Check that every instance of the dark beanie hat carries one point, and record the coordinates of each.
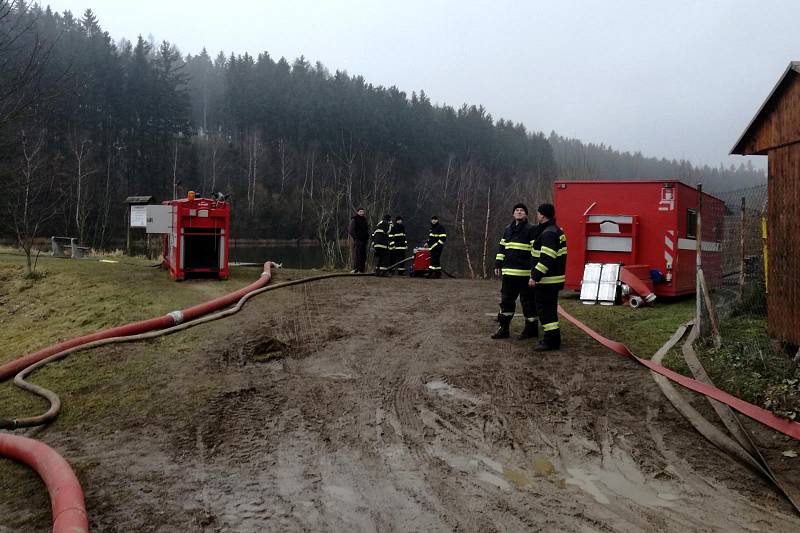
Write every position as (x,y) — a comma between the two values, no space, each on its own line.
(520,206)
(387,217)
(547,210)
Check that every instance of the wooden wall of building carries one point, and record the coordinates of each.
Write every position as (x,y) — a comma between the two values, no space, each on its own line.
(779,122)
(783,238)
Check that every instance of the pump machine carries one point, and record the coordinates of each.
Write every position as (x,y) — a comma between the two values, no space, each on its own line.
(196,242)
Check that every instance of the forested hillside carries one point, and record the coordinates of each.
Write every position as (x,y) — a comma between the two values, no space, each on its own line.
(86,121)
(578,160)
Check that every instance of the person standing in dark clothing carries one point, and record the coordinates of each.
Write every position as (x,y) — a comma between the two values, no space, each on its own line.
(380,243)
(547,275)
(359,232)
(398,245)
(513,262)
(436,239)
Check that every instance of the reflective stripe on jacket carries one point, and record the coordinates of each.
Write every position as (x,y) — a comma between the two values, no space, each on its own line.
(380,237)
(397,237)
(437,236)
(549,255)
(514,251)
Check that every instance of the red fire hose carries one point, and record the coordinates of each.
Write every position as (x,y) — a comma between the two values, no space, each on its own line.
(171,319)
(66,495)
(785,426)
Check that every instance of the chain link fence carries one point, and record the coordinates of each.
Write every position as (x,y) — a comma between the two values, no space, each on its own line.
(738,244)
(736,345)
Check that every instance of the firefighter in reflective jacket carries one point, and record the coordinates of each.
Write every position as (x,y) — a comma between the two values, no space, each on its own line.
(380,243)
(513,262)
(547,275)
(436,240)
(398,245)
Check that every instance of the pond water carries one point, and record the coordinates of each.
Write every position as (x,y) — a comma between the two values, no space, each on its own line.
(292,256)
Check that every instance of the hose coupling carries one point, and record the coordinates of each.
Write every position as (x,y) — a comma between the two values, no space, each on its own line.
(177,317)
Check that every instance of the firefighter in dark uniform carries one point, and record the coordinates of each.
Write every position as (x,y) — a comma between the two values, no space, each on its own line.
(513,262)
(547,275)
(398,244)
(380,243)
(436,239)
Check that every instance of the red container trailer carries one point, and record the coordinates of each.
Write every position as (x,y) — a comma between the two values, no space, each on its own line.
(643,223)
(197,242)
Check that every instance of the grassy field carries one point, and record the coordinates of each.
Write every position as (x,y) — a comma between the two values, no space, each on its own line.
(643,330)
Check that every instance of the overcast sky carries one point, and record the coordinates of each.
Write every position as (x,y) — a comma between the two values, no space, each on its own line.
(677,79)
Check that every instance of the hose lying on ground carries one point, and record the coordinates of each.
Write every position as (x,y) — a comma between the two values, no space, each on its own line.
(68,509)
(175,317)
(748,453)
(55,401)
(66,496)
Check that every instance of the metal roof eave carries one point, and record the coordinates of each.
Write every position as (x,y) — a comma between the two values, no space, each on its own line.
(793,66)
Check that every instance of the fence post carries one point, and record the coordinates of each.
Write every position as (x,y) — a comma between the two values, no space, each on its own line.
(710,326)
(698,242)
(766,257)
(740,295)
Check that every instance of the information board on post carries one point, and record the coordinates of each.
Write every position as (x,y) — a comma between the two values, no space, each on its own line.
(138,216)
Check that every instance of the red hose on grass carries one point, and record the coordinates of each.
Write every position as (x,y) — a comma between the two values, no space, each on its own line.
(175,317)
(788,427)
(66,495)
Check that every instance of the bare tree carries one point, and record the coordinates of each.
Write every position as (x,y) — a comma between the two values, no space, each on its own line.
(81,149)
(106,206)
(283,157)
(175,172)
(309,173)
(486,229)
(30,201)
(253,152)
(327,205)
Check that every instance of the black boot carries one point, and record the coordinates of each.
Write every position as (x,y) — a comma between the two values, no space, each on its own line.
(531,330)
(502,332)
(550,342)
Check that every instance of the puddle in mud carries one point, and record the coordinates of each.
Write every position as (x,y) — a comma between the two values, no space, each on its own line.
(624,482)
(620,478)
(519,479)
(445,389)
(543,466)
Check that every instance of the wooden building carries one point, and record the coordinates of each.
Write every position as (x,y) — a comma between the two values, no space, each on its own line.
(775,132)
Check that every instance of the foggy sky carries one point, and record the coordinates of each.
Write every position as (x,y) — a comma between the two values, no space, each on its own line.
(678,79)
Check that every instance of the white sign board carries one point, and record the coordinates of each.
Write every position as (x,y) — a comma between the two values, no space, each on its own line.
(138,216)
(159,219)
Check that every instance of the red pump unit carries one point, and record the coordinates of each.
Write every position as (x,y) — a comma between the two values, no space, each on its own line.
(650,224)
(197,242)
(422,262)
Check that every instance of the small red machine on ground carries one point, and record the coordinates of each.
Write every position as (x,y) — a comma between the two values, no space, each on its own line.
(422,261)
(648,227)
(197,242)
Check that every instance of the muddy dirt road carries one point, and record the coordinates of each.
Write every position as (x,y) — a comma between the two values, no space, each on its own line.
(394,411)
